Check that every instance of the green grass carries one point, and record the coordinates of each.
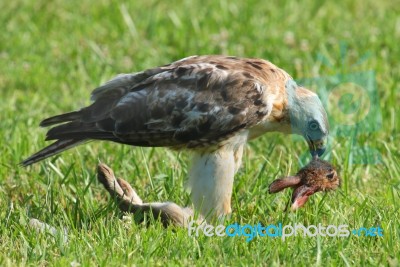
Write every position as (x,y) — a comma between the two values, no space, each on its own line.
(53,53)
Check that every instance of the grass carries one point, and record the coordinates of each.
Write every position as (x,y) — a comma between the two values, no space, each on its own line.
(53,53)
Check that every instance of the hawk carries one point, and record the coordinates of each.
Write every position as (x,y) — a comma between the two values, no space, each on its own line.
(211,105)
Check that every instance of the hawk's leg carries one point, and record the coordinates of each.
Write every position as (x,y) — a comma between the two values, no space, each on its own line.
(129,201)
(211,180)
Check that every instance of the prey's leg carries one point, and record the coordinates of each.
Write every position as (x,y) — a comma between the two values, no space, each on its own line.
(129,201)
(118,188)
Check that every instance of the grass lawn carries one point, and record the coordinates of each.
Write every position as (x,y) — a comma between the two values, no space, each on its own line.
(53,53)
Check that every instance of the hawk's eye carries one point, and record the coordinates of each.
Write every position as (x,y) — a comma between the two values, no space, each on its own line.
(313,126)
(330,175)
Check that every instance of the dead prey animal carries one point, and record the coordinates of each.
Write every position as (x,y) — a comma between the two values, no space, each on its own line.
(318,175)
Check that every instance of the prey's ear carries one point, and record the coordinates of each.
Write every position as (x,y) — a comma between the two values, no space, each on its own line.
(282,183)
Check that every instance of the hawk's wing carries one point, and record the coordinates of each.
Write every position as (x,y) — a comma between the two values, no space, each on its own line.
(198,101)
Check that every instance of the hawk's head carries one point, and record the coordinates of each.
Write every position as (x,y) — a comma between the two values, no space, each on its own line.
(308,117)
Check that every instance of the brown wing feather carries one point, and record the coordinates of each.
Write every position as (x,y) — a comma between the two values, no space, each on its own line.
(193,102)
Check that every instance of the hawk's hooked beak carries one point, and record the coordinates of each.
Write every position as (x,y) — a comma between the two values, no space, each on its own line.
(317,147)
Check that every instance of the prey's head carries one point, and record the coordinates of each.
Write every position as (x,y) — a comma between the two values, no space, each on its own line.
(308,117)
(318,175)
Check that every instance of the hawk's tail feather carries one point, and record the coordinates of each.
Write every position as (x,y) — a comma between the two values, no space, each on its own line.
(78,131)
(70,116)
(71,130)
(51,150)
